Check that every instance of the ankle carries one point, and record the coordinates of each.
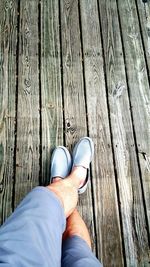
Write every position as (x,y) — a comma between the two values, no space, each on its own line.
(56,179)
(78,175)
(66,193)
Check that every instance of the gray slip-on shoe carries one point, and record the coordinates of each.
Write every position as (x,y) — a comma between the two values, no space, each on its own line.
(61,163)
(82,156)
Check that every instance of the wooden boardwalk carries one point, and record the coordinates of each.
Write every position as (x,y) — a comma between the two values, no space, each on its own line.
(68,69)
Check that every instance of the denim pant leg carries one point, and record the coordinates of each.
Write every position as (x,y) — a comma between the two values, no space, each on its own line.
(32,235)
(76,253)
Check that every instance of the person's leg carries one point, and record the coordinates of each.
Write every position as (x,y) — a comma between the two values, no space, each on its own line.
(77,246)
(76,249)
(76,226)
(67,189)
(32,235)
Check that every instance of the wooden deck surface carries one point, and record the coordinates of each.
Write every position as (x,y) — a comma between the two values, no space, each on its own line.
(69,69)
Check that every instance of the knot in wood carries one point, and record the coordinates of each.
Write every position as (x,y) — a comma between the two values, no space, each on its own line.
(8,5)
(70,126)
(68,61)
(27,32)
(118,90)
(27,83)
(148,31)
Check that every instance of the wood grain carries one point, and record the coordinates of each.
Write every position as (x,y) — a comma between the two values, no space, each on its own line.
(139,90)
(130,192)
(105,196)
(8,43)
(144,19)
(27,154)
(74,98)
(83,69)
(51,110)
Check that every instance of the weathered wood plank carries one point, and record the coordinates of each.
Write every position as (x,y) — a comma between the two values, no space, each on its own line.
(52,113)
(74,101)
(28,141)
(8,43)
(138,90)
(144,15)
(105,196)
(130,192)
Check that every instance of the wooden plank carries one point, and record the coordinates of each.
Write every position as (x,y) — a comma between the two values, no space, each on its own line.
(144,16)
(52,113)
(130,192)
(105,196)
(138,90)
(8,43)
(74,100)
(28,141)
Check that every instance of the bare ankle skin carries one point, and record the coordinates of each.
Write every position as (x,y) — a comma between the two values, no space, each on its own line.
(67,193)
(67,189)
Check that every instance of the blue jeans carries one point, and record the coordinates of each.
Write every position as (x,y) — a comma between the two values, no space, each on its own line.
(32,236)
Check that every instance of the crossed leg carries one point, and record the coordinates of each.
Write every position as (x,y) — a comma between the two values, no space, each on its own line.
(32,235)
(67,191)
(76,247)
